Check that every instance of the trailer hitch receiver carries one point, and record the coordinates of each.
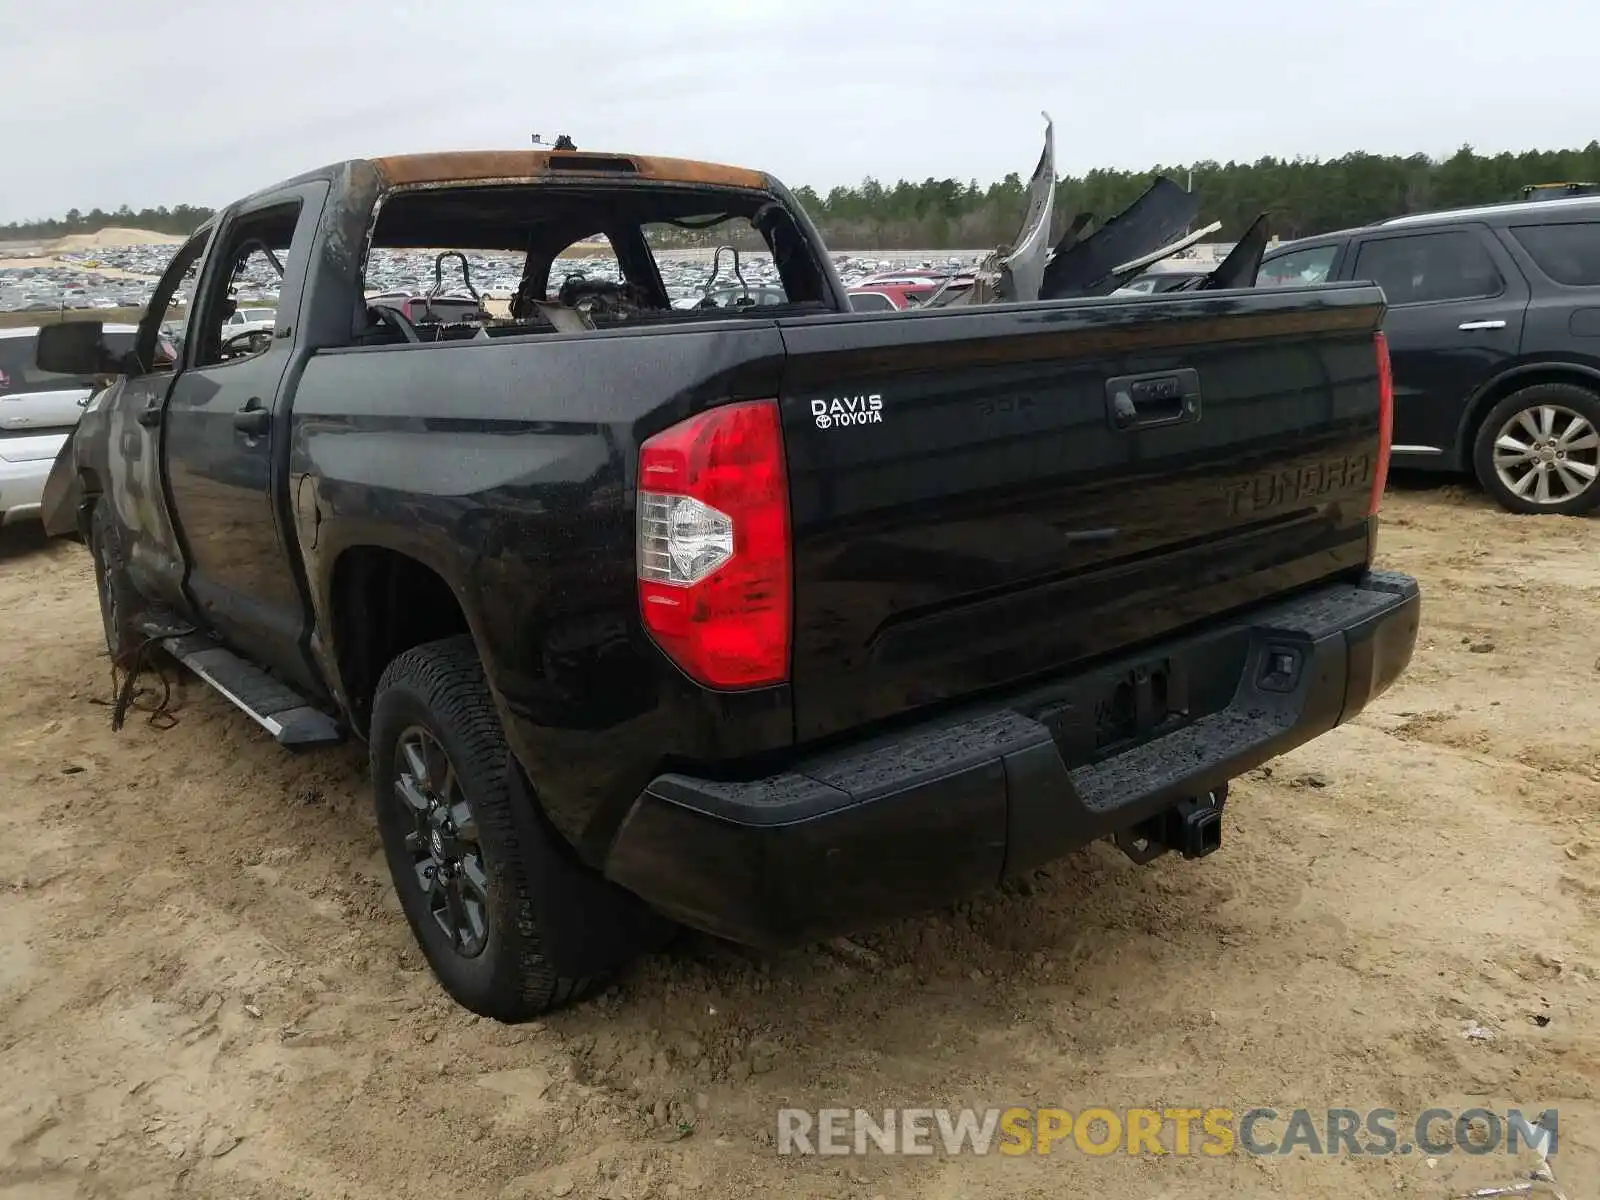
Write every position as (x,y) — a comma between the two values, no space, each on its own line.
(1192,827)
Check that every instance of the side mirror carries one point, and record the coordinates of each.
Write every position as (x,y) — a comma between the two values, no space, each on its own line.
(76,348)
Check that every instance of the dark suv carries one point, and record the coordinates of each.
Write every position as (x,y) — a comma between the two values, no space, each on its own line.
(1494,333)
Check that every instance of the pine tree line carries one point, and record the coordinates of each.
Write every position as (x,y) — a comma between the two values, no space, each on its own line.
(183,219)
(1304,196)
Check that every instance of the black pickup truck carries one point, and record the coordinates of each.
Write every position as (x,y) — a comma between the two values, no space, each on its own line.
(768,620)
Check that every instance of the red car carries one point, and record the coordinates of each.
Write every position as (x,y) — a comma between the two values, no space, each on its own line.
(900,292)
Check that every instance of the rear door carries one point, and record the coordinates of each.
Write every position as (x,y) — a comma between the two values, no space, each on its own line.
(1563,318)
(1456,307)
(968,512)
(225,449)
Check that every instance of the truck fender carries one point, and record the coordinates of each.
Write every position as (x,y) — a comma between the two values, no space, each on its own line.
(587,924)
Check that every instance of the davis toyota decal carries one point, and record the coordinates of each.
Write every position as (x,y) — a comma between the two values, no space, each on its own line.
(848,410)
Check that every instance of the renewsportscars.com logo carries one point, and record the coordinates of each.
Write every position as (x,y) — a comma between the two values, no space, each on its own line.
(1210,1132)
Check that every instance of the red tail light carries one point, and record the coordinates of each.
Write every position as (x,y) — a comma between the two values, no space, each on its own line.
(1380,474)
(714,551)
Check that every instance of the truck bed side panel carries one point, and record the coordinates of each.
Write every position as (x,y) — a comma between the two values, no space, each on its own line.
(507,467)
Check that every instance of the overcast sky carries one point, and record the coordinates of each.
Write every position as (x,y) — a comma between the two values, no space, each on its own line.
(173,101)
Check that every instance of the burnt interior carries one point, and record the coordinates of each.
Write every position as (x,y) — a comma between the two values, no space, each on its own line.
(540,221)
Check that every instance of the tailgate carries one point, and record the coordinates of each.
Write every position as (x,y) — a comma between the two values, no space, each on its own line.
(974,503)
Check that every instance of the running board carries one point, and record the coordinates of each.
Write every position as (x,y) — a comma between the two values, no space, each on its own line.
(272,704)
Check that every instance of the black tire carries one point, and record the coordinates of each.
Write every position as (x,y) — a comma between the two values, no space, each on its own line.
(119,601)
(1567,400)
(439,688)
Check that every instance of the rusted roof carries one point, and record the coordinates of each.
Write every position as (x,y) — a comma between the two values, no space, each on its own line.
(472,166)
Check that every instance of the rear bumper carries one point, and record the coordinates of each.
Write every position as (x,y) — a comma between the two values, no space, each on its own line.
(910,820)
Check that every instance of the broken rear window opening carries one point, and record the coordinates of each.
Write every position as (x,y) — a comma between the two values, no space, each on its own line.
(532,259)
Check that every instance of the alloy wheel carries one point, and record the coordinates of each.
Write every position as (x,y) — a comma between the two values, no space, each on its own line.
(1547,454)
(442,840)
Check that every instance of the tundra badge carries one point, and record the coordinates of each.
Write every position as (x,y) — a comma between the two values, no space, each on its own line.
(848,410)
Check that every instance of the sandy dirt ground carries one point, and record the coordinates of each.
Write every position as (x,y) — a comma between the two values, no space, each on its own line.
(206,988)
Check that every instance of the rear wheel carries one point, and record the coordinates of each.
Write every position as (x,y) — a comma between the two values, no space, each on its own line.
(118,599)
(1538,450)
(440,777)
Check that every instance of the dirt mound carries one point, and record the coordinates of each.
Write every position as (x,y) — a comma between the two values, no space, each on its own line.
(112,236)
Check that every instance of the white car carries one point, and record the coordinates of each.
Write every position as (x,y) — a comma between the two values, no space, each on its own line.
(38,410)
(245,320)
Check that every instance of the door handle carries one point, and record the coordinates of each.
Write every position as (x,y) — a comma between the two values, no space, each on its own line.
(252,420)
(1165,398)
(1471,325)
(149,416)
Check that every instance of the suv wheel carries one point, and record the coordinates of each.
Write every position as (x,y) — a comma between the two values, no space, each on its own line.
(118,599)
(455,848)
(1538,450)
